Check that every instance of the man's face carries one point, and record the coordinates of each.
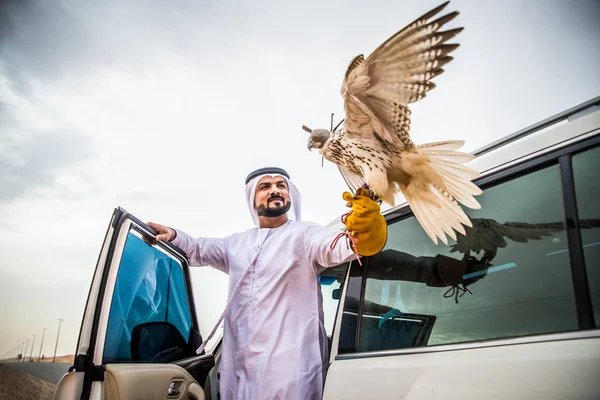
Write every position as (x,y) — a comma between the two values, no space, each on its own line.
(272,198)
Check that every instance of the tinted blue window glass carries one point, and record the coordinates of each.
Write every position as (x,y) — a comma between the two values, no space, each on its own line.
(150,288)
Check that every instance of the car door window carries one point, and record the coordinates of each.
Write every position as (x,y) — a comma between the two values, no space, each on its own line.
(150,316)
(586,166)
(509,276)
(331,281)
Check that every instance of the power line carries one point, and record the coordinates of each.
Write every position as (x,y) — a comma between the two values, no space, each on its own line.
(9,354)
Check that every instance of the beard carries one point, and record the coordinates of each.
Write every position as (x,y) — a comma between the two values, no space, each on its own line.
(273,211)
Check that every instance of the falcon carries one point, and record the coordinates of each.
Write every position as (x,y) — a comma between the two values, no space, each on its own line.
(374,145)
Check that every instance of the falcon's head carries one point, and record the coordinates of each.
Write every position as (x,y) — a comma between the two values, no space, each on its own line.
(317,138)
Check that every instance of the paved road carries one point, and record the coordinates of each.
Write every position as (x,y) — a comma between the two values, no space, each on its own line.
(47,371)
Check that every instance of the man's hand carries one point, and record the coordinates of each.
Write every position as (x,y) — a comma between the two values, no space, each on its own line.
(365,223)
(165,233)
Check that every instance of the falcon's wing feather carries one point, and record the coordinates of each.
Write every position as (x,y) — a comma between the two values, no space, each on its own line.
(378,89)
(353,180)
(356,61)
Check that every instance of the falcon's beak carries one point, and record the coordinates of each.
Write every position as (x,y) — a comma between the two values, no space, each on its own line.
(310,144)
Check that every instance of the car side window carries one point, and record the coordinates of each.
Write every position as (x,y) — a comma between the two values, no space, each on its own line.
(508,276)
(331,281)
(586,166)
(150,317)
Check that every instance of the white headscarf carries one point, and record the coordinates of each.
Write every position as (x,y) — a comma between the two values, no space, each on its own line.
(295,210)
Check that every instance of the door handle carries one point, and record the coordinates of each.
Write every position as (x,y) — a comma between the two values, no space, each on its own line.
(174,391)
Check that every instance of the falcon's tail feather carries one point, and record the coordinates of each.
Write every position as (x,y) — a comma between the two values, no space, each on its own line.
(438,182)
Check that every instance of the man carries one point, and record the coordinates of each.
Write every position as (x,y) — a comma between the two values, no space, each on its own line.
(274,341)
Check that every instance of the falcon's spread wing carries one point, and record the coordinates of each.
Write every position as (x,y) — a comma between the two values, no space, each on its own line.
(378,89)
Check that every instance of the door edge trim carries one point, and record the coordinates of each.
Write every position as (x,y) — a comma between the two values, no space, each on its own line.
(544,338)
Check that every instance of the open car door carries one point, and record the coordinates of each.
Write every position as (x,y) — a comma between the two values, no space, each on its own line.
(139,333)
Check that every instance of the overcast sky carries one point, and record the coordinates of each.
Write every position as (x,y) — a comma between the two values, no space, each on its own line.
(163,108)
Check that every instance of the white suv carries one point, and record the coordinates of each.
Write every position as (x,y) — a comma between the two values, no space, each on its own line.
(511,310)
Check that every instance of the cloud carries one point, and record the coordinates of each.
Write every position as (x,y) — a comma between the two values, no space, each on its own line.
(41,41)
(32,159)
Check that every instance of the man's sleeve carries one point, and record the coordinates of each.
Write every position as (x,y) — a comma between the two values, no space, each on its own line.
(203,251)
(318,242)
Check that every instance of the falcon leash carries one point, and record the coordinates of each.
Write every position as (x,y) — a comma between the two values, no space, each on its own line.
(350,239)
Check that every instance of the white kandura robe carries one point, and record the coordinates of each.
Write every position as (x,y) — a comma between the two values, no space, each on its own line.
(274,340)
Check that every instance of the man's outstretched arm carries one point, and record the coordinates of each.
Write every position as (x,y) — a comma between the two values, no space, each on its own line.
(199,251)
(324,249)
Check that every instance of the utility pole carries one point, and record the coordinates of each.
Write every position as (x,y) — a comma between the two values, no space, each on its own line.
(42,344)
(57,335)
(18,350)
(22,347)
(25,352)
(32,344)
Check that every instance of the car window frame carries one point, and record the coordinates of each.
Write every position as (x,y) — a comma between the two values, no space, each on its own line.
(590,282)
(583,303)
(176,256)
(88,360)
(118,221)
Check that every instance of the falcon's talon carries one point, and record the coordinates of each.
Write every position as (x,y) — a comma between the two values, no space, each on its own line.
(372,195)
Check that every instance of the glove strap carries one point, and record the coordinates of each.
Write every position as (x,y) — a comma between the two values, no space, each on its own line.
(348,235)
